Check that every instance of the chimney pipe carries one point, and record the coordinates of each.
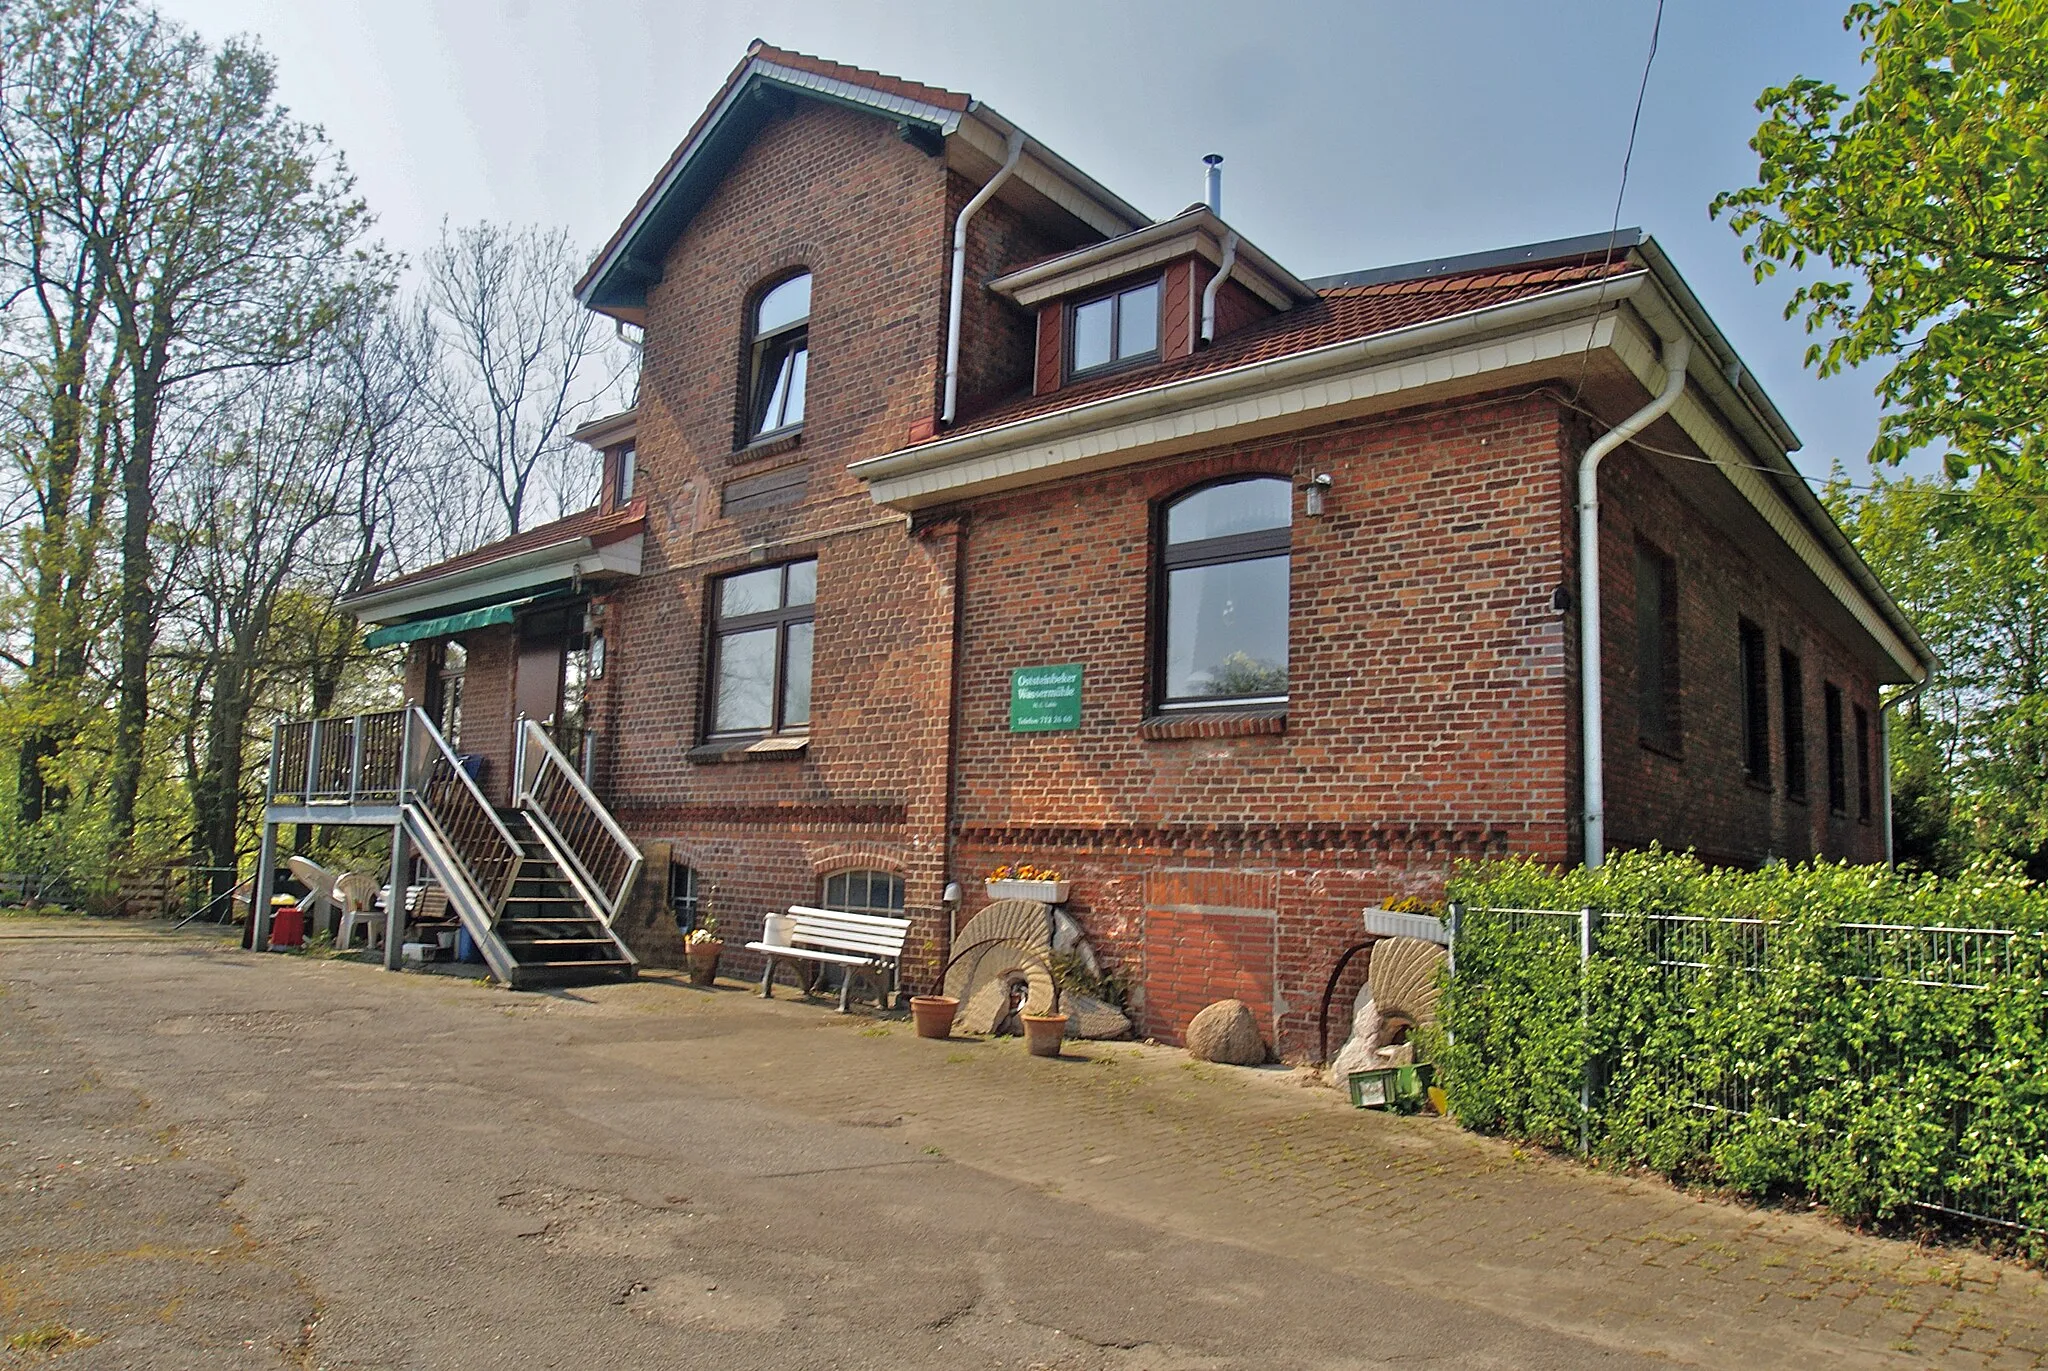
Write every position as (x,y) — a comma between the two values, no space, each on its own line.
(1212,187)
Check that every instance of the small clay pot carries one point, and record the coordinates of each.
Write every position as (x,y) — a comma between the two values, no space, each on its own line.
(704,962)
(1043,1033)
(933,1015)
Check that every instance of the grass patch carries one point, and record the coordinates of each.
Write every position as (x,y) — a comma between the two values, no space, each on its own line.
(44,1339)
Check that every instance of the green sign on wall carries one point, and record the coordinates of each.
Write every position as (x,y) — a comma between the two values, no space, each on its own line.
(1045,699)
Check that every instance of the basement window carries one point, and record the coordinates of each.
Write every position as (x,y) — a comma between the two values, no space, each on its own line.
(1113,330)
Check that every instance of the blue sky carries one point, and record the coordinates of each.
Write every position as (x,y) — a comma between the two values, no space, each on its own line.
(1356,134)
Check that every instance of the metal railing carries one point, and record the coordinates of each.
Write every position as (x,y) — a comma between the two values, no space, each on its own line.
(1749,955)
(447,797)
(348,759)
(560,803)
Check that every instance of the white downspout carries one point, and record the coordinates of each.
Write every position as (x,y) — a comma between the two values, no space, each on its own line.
(1677,352)
(1884,753)
(1216,284)
(960,271)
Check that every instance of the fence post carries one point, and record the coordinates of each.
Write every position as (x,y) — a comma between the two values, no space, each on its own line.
(312,762)
(1587,918)
(355,758)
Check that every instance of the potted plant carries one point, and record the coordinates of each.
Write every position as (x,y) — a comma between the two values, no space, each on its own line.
(1043,1033)
(703,947)
(933,1015)
(1023,881)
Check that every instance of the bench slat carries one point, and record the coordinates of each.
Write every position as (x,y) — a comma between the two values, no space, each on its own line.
(879,921)
(810,954)
(887,947)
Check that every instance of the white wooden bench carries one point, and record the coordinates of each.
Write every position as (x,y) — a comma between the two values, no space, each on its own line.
(870,944)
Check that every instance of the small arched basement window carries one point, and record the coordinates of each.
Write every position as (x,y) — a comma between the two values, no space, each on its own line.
(778,357)
(865,892)
(1223,584)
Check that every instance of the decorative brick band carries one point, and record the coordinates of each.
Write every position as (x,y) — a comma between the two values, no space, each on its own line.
(882,814)
(1462,841)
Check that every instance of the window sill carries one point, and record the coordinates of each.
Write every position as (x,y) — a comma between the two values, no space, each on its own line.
(1661,749)
(1760,787)
(1217,723)
(786,748)
(773,445)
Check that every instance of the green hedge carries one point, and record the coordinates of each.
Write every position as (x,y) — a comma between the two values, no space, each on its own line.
(1838,1075)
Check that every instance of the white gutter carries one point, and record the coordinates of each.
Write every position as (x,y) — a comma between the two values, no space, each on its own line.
(1037,430)
(981,197)
(1216,284)
(1677,352)
(1884,753)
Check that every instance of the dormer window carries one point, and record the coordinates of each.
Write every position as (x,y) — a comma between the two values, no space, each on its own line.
(779,357)
(1114,330)
(627,471)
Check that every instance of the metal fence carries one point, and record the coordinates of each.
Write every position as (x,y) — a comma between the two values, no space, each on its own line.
(1753,956)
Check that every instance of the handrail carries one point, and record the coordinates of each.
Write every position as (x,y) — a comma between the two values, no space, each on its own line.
(558,800)
(448,797)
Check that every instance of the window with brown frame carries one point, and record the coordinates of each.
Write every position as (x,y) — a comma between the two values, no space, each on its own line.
(761,651)
(1838,748)
(1223,587)
(1657,692)
(1862,764)
(778,358)
(1756,703)
(1112,330)
(1792,689)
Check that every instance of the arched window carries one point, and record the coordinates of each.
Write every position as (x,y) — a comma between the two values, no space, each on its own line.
(778,357)
(865,892)
(1223,554)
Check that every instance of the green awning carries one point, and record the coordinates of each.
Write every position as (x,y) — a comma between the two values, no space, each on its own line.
(442,627)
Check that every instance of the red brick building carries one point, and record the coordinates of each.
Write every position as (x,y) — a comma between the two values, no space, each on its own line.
(1313,546)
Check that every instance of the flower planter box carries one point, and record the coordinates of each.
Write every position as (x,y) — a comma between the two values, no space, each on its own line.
(1047,892)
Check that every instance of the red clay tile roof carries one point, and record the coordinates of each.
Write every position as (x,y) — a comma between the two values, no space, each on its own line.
(600,526)
(1343,314)
(861,76)
(816,66)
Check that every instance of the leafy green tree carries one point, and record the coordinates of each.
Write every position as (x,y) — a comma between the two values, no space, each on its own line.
(1971,754)
(1918,212)
(223,233)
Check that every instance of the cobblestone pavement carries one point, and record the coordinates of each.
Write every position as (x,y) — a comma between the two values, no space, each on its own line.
(217,1159)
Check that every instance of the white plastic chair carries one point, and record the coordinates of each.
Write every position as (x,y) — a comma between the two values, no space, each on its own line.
(319,882)
(357,892)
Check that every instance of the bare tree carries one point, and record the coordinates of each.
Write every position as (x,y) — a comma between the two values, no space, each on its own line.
(523,364)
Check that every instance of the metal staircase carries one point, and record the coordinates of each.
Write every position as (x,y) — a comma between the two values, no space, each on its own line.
(536,886)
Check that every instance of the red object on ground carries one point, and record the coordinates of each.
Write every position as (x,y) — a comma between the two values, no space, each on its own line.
(287,926)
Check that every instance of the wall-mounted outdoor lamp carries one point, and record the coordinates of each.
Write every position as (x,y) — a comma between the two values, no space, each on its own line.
(1312,495)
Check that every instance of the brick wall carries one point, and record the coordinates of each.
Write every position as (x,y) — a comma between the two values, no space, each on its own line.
(839,193)
(1700,794)
(487,705)
(1428,719)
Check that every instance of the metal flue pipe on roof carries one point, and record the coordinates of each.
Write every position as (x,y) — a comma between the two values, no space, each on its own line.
(1212,183)
(1677,352)
(981,197)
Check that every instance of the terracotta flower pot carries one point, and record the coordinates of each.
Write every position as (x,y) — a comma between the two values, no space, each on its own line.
(1043,1033)
(933,1015)
(704,962)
